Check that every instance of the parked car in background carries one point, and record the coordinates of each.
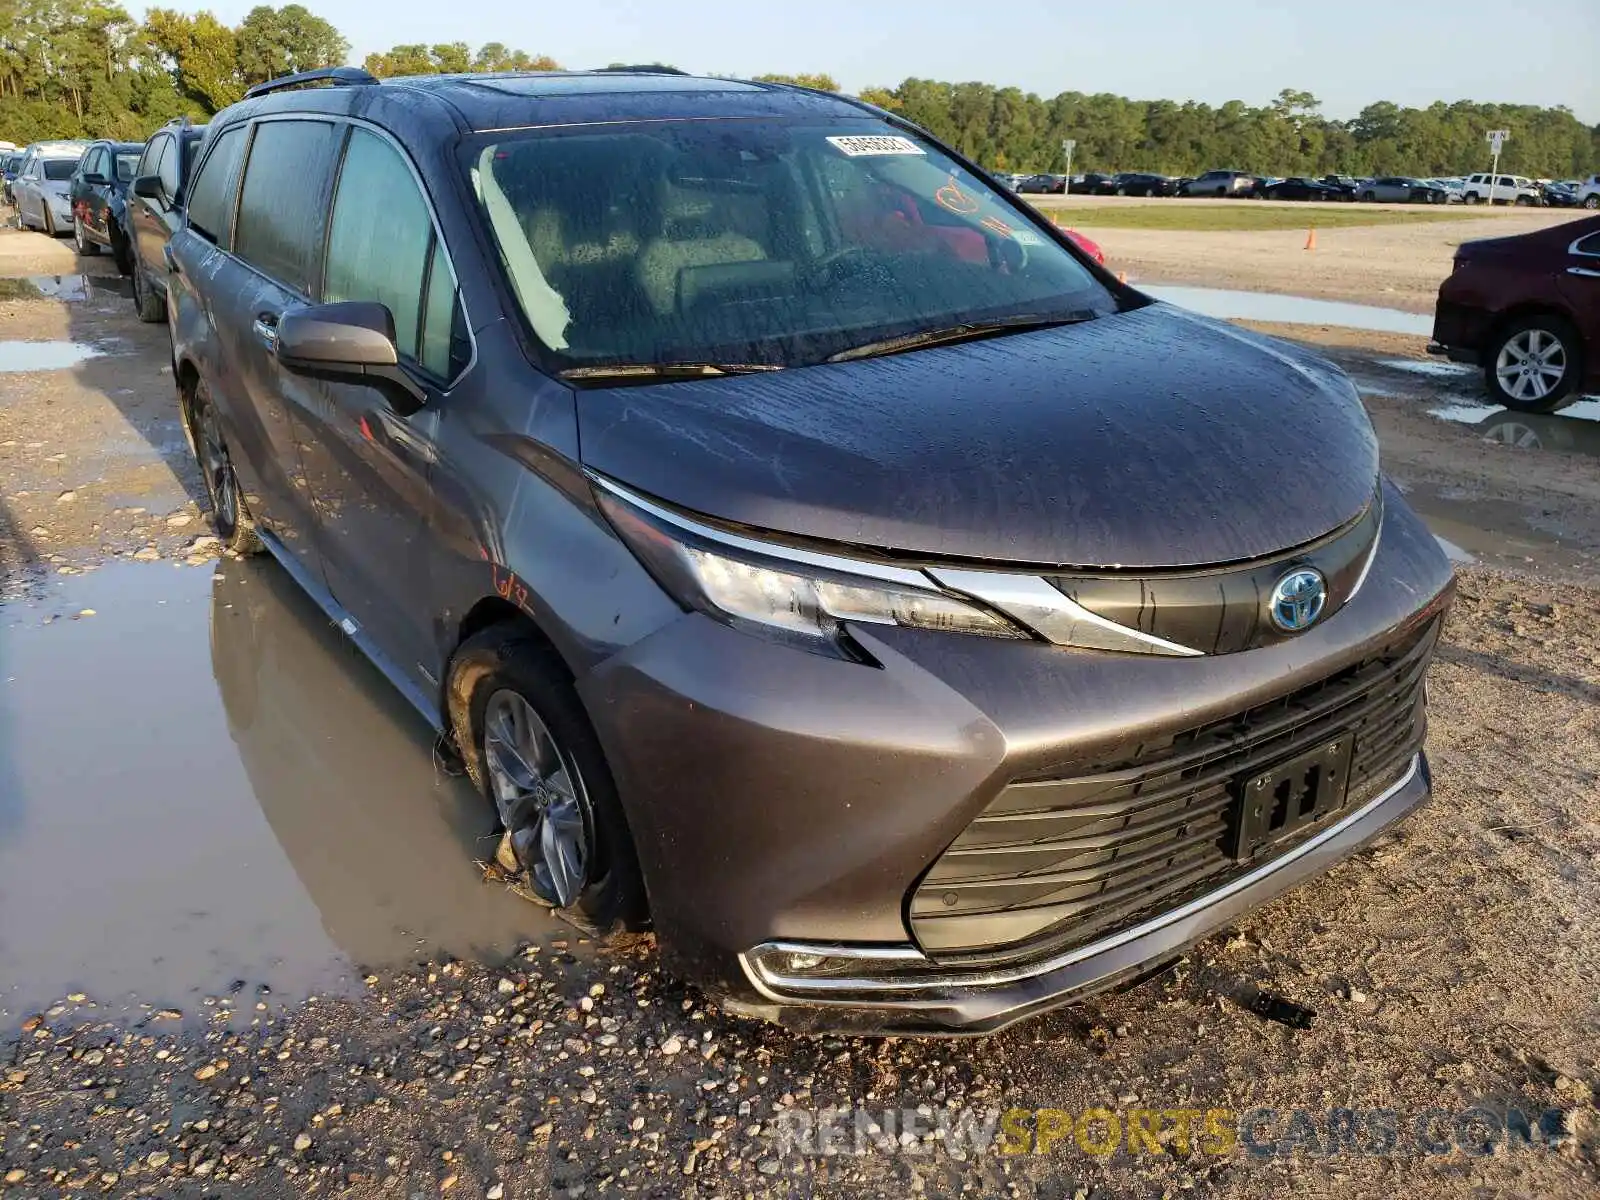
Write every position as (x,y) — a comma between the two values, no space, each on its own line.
(1043,184)
(1142,183)
(99,199)
(42,189)
(1560,193)
(1589,193)
(155,210)
(1087,244)
(1341,181)
(1452,189)
(1527,310)
(1300,188)
(1486,188)
(1220,184)
(813,709)
(10,164)
(1093,183)
(1401,189)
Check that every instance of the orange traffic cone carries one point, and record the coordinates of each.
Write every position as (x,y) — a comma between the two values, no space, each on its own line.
(1122,277)
(1311,239)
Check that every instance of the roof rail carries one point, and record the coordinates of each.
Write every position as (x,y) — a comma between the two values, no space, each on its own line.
(638,69)
(337,76)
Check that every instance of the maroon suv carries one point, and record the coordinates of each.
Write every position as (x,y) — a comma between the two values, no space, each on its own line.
(1527,309)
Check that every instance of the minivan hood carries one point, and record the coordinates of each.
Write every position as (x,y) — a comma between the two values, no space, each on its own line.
(1153,438)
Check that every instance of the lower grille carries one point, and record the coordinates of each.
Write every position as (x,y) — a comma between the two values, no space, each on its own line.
(1053,863)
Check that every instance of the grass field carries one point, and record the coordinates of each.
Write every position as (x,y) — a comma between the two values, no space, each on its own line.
(1179,214)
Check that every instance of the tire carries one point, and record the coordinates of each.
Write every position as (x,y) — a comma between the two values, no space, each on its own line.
(230,515)
(49,222)
(1558,349)
(121,252)
(1122,191)
(494,672)
(145,302)
(1369,197)
(1470,198)
(83,245)
(1592,202)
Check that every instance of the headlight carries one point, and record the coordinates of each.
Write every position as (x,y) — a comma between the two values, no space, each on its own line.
(796,595)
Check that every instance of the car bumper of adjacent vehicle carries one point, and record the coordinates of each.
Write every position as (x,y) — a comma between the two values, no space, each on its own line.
(790,809)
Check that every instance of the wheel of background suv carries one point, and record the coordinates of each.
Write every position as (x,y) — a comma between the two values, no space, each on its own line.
(80,243)
(1470,198)
(1369,197)
(230,515)
(1534,364)
(528,746)
(1592,202)
(1122,191)
(148,305)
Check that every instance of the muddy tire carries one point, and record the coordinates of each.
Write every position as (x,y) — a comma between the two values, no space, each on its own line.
(528,747)
(1592,202)
(230,514)
(121,252)
(82,244)
(1533,364)
(146,303)
(49,221)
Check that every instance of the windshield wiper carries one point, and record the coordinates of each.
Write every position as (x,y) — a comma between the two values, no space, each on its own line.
(965,332)
(622,372)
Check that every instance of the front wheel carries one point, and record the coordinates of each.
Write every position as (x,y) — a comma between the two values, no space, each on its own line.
(1534,364)
(1470,198)
(49,222)
(1369,197)
(230,515)
(530,749)
(80,242)
(1592,202)
(146,303)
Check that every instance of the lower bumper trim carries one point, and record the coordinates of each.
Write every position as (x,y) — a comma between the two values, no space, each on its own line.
(895,988)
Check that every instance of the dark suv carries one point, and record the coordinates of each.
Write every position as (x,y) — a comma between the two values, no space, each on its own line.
(99,196)
(805,547)
(155,210)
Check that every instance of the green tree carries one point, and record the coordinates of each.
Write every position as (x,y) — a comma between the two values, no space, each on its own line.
(454,58)
(822,83)
(281,41)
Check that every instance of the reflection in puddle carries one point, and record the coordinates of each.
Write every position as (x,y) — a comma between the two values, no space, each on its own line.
(1427,366)
(63,287)
(204,786)
(45,356)
(1575,429)
(1293,310)
(1454,552)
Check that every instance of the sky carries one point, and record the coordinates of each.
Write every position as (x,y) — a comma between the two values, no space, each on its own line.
(1347,54)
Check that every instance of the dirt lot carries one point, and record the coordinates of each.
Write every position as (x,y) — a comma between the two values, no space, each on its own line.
(223,977)
(1398,266)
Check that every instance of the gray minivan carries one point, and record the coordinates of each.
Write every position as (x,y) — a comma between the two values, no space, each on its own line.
(806,549)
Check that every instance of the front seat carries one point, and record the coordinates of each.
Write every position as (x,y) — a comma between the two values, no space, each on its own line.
(691,236)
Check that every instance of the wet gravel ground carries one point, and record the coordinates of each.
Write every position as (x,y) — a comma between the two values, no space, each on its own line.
(1453,966)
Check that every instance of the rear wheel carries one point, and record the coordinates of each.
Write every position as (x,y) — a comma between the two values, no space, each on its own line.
(149,306)
(49,221)
(1592,202)
(1369,197)
(1534,364)
(1470,198)
(120,251)
(528,746)
(230,515)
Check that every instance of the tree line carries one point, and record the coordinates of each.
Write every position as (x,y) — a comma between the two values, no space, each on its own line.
(85,68)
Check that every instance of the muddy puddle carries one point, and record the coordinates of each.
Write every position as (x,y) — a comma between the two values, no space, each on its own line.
(45,356)
(1575,429)
(204,790)
(1228,305)
(64,287)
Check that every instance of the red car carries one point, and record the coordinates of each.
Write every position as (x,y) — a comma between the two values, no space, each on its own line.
(1088,245)
(1527,310)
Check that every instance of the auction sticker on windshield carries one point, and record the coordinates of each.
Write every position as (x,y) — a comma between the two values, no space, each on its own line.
(868,145)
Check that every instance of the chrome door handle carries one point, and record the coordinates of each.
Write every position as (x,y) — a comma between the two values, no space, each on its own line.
(1583,271)
(266,329)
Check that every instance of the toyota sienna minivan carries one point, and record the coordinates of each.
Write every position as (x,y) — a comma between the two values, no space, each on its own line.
(809,552)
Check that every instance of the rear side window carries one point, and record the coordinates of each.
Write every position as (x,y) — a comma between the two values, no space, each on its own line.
(59,168)
(211,196)
(150,164)
(390,255)
(283,201)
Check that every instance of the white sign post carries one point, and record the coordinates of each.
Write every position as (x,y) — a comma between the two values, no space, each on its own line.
(1496,139)
(1068,145)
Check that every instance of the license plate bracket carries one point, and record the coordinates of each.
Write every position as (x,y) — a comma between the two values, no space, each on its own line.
(1276,802)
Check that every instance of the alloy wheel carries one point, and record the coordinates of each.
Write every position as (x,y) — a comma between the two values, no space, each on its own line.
(221,483)
(1531,364)
(540,797)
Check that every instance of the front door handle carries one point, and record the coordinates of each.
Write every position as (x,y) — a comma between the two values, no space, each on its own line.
(1583,271)
(266,330)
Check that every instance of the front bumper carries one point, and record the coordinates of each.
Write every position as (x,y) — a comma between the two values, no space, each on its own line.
(896,989)
(785,802)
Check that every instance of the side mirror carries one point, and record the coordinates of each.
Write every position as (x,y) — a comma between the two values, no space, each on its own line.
(96,180)
(150,187)
(349,341)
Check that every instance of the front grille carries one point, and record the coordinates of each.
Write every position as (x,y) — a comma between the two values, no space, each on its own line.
(1052,863)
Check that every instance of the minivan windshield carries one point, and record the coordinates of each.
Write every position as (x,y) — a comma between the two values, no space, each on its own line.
(760,244)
